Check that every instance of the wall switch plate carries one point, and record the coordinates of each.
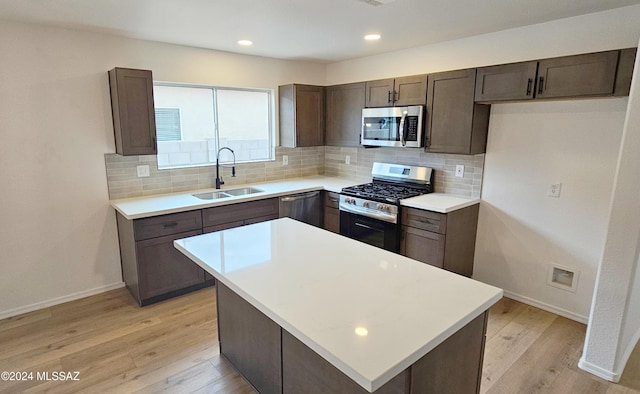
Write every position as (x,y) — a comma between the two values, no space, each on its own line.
(459,170)
(142,171)
(347,159)
(554,190)
(285,160)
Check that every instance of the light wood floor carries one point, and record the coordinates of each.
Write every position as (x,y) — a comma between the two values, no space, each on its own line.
(172,346)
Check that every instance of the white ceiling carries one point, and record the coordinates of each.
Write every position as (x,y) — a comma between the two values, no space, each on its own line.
(316,30)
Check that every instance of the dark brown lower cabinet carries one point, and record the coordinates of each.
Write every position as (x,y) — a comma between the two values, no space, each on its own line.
(152,269)
(162,268)
(274,361)
(444,240)
(332,212)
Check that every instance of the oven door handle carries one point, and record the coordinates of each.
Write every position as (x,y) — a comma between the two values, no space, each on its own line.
(369,214)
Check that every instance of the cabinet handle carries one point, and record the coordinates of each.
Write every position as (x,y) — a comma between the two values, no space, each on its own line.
(395,96)
(529,83)
(540,84)
(169,225)
(388,96)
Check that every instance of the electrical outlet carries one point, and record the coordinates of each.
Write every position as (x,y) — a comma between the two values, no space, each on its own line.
(142,171)
(347,159)
(459,170)
(285,160)
(554,190)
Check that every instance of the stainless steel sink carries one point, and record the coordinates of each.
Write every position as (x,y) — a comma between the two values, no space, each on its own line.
(243,191)
(211,195)
(227,193)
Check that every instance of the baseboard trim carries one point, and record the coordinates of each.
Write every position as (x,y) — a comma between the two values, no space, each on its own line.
(547,307)
(598,371)
(59,300)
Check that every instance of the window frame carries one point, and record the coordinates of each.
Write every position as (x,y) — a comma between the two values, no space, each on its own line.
(270,111)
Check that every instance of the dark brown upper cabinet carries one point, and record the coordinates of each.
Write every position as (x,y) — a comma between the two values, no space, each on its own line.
(455,123)
(625,71)
(396,92)
(134,119)
(506,82)
(301,115)
(344,114)
(593,74)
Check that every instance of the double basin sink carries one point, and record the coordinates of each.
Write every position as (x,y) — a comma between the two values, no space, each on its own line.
(227,193)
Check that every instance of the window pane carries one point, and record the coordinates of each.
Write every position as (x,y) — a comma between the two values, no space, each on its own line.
(168,124)
(197,143)
(244,124)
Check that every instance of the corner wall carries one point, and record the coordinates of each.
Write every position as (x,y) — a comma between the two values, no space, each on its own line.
(614,323)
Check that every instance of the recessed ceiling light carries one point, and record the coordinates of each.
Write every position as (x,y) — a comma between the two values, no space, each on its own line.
(245,43)
(372,37)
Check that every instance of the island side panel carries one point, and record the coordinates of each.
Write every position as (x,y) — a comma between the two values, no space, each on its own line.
(305,371)
(250,341)
(454,366)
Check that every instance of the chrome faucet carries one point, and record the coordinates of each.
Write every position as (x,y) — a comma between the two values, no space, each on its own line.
(219,181)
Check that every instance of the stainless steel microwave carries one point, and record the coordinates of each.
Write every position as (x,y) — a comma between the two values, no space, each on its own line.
(393,126)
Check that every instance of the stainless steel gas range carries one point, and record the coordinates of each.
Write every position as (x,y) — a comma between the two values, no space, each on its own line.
(371,212)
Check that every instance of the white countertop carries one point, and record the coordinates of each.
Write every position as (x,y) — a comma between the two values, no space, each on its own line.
(321,286)
(147,206)
(439,202)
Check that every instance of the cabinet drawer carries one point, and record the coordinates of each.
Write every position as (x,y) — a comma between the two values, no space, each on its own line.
(424,220)
(331,200)
(174,223)
(238,212)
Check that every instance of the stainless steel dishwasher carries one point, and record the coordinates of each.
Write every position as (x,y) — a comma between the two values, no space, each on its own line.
(305,207)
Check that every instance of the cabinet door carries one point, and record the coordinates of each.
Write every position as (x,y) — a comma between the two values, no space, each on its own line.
(301,115)
(134,119)
(592,74)
(455,123)
(309,115)
(410,90)
(625,71)
(162,268)
(344,114)
(507,82)
(332,219)
(423,246)
(379,93)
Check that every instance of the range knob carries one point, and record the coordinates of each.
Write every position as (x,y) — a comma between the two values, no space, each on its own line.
(365,204)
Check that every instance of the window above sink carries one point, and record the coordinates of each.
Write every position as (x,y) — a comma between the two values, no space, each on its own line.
(194,121)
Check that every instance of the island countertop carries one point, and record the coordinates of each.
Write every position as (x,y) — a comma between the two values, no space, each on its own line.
(369,312)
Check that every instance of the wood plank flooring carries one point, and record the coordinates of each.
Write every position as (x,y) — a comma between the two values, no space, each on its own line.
(117,347)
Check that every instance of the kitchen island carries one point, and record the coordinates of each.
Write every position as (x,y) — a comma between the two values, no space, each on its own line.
(300,308)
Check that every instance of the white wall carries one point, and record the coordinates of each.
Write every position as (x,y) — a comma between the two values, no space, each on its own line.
(58,238)
(614,322)
(521,231)
(556,141)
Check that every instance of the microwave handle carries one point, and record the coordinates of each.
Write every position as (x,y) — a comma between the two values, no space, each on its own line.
(403,129)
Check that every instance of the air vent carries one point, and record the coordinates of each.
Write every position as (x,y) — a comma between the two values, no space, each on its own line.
(377,2)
